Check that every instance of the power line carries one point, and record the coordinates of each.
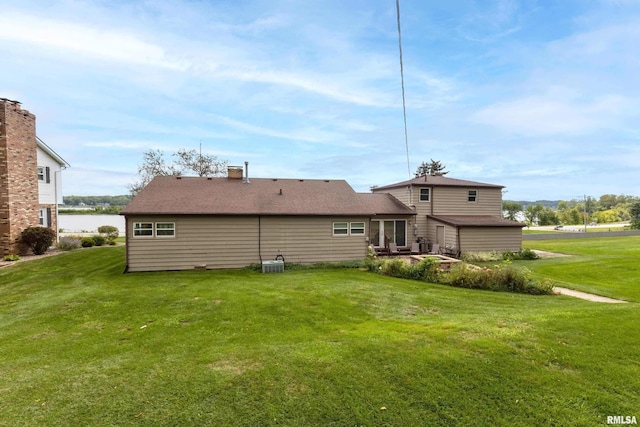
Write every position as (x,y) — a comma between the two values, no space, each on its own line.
(404,104)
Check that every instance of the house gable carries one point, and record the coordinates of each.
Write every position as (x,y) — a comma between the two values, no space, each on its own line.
(446,205)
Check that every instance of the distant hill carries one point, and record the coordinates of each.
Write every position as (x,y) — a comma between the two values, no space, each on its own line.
(553,204)
(96,200)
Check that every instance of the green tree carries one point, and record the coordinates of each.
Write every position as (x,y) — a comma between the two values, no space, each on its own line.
(608,201)
(531,214)
(433,168)
(547,216)
(634,211)
(510,209)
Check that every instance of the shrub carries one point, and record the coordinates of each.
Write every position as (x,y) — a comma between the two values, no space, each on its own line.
(522,254)
(110,233)
(428,270)
(503,277)
(68,243)
(38,239)
(99,240)
(11,257)
(394,267)
(499,278)
(492,256)
(87,242)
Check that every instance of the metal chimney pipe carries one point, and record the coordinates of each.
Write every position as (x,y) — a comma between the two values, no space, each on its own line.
(246,173)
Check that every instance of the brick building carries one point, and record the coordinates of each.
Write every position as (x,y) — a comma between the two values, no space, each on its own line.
(29,176)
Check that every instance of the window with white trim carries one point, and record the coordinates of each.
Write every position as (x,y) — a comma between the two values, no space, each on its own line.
(356,228)
(40,173)
(165,229)
(425,194)
(143,229)
(473,196)
(340,228)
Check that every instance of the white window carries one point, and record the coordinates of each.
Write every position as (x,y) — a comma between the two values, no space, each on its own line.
(142,229)
(473,196)
(425,193)
(44,216)
(165,229)
(356,228)
(44,174)
(340,228)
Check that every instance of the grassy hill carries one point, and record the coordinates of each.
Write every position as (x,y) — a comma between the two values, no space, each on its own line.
(84,344)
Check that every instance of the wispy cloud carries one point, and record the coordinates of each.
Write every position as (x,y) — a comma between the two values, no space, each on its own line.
(107,44)
(554,113)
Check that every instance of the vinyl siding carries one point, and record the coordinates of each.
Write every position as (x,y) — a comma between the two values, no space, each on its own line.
(450,235)
(311,239)
(217,242)
(448,201)
(49,193)
(453,201)
(233,242)
(478,239)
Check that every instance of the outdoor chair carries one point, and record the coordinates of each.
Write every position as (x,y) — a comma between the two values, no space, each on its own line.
(393,249)
(415,248)
(380,250)
(435,249)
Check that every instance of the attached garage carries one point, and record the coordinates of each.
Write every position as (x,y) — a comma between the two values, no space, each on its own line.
(475,233)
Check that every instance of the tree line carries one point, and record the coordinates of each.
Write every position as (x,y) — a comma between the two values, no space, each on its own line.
(609,208)
(96,200)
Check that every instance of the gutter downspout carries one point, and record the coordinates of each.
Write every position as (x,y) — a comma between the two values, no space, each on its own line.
(126,240)
(260,238)
(56,180)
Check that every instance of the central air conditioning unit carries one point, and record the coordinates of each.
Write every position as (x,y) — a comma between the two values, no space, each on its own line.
(276,266)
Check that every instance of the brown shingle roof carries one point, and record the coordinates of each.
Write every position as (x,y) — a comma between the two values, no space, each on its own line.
(476,221)
(262,196)
(438,181)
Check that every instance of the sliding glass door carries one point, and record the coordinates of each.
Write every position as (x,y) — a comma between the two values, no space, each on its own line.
(389,230)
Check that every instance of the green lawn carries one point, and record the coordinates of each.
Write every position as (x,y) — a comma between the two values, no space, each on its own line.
(84,344)
(608,266)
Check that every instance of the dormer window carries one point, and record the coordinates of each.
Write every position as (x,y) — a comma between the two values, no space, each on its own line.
(473,196)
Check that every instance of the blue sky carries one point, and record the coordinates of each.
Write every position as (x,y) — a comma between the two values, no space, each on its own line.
(542,97)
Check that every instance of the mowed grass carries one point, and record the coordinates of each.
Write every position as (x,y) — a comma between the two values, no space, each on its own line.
(608,266)
(83,344)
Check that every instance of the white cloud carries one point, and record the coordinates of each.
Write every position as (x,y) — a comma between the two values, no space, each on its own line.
(107,44)
(556,112)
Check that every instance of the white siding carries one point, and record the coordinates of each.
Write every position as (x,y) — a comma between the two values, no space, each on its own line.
(49,193)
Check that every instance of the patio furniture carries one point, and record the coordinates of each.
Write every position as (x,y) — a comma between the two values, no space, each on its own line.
(393,249)
(415,248)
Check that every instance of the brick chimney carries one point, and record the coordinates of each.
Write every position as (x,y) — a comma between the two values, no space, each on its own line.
(18,174)
(234,172)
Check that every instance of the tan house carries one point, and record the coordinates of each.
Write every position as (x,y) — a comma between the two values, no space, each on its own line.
(457,216)
(30,177)
(179,223)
